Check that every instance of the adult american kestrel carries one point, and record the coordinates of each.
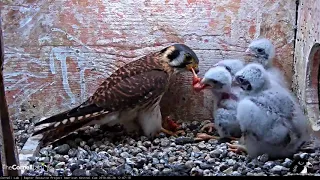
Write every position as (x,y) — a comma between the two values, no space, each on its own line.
(130,96)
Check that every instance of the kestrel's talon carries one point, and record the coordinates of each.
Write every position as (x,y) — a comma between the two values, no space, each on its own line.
(237,148)
(204,137)
(170,124)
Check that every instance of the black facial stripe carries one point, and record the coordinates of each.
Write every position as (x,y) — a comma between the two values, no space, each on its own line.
(174,54)
(164,50)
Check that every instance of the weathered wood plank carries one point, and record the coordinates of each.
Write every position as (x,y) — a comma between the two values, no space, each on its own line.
(8,149)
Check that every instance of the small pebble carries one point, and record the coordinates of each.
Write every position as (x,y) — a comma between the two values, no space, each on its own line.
(184,140)
(79,172)
(287,163)
(165,142)
(228,171)
(196,172)
(216,153)
(201,145)
(206,172)
(304,156)
(63,149)
(279,170)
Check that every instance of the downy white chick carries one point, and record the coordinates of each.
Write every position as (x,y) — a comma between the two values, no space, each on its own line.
(270,118)
(262,51)
(219,80)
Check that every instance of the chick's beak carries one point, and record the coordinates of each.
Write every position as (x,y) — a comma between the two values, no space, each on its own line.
(235,82)
(200,85)
(249,52)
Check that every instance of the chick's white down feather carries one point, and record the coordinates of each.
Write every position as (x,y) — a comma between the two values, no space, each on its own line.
(224,112)
(263,52)
(270,118)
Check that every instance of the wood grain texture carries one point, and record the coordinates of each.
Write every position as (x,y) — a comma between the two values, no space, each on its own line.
(58,52)
(9,154)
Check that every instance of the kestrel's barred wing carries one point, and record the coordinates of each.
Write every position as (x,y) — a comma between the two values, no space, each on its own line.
(104,97)
(133,84)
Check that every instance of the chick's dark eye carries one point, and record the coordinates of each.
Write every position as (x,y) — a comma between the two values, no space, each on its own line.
(214,81)
(249,87)
(228,68)
(240,79)
(260,50)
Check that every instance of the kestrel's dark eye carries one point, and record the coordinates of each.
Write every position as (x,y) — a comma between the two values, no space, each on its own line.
(260,50)
(188,58)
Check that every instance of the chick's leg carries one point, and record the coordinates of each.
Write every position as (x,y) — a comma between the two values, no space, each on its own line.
(204,137)
(208,126)
(237,148)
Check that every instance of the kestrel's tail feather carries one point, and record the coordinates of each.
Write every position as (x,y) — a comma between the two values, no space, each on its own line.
(75,112)
(64,127)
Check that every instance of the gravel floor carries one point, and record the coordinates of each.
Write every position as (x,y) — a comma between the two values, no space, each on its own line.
(110,152)
(22,131)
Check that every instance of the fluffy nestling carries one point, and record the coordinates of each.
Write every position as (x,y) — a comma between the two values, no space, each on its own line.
(130,96)
(270,118)
(219,80)
(262,51)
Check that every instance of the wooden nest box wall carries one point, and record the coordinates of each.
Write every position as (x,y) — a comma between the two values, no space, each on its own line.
(57,55)
(307,61)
